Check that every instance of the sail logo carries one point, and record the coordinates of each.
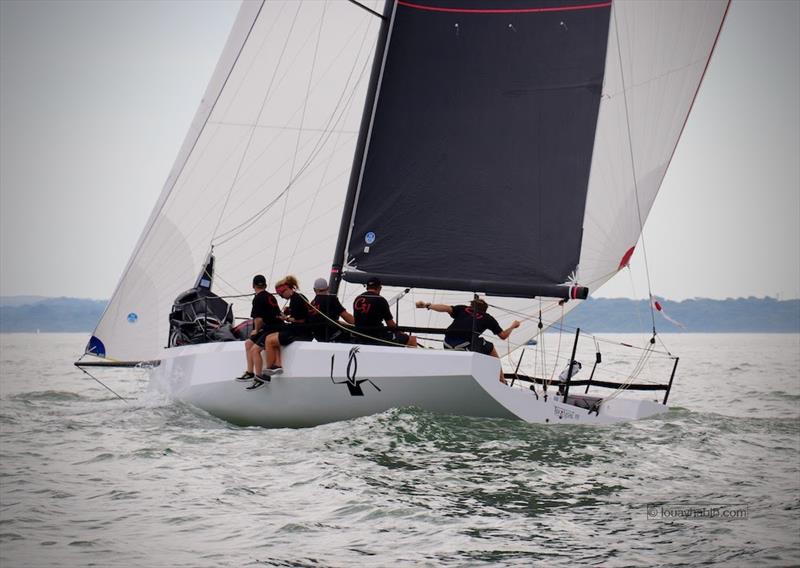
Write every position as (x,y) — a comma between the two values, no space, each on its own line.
(353,384)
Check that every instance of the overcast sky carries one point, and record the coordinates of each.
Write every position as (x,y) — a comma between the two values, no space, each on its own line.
(96,98)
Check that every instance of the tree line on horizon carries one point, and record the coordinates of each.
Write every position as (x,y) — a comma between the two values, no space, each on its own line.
(608,315)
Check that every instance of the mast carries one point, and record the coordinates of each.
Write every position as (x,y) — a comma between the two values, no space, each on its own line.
(361,147)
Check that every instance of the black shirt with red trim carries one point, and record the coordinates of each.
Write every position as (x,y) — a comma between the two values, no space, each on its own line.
(298,307)
(461,328)
(329,306)
(265,306)
(370,310)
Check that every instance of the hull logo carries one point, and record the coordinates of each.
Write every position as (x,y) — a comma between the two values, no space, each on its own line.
(353,384)
(561,412)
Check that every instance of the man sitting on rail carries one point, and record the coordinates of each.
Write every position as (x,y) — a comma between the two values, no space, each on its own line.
(370,310)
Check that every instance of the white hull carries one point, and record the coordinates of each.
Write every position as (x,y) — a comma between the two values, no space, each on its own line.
(315,389)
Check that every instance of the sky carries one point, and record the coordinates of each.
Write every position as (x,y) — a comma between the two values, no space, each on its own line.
(96,98)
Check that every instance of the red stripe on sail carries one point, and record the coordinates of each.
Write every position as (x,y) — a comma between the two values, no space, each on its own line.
(503,10)
(626,258)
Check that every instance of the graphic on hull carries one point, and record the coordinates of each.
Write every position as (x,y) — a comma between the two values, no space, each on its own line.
(353,384)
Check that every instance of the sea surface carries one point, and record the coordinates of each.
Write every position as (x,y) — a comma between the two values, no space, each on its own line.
(87,479)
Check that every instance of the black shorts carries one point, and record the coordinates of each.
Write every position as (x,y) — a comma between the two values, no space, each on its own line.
(289,335)
(332,335)
(399,338)
(381,338)
(480,345)
(262,334)
(258,338)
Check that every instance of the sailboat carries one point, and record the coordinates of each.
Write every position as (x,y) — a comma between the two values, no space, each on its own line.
(509,148)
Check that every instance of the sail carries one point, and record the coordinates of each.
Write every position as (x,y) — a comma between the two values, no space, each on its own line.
(483,134)
(262,173)
(499,158)
(514,146)
(655,60)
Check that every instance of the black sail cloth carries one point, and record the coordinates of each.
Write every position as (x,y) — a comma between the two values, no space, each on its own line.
(478,160)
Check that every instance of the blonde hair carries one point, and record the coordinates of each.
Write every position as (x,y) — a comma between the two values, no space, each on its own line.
(289,281)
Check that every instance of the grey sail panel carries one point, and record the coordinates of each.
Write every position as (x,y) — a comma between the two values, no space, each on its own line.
(478,161)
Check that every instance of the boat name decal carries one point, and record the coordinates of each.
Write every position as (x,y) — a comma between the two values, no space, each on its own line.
(353,384)
(561,412)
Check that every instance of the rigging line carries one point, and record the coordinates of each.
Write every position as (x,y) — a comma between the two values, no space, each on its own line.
(635,373)
(162,200)
(633,169)
(275,127)
(258,117)
(320,143)
(108,388)
(541,341)
(352,330)
(604,340)
(558,348)
(370,10)
(231,286)
(233,232)
(636,302)
(299,135)
(333,153)
(323,130)
(609,373)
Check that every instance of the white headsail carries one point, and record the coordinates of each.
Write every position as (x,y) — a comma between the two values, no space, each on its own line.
(262,173)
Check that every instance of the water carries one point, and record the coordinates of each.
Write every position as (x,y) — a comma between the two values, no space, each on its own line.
(88,480)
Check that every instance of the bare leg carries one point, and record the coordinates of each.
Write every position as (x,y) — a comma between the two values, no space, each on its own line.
(276,352)
(412,341)
(273,354)
(248,345)
(255,356)
(502,378)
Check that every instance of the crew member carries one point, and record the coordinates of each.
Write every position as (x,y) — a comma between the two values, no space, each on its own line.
(469,322)
(324,311)
(266,318)
(370,310)
(297,329)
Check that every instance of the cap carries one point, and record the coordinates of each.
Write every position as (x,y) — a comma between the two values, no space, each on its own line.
(320,284)
(373,282)
(260,281)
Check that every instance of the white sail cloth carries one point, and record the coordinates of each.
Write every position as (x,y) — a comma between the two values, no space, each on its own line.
(263,172)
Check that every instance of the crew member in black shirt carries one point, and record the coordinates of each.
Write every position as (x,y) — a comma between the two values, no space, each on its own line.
(326,309)
(469,319)
(266,319)
(370,310)
(298,328)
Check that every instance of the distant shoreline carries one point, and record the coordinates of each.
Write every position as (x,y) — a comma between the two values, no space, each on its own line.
(602,315)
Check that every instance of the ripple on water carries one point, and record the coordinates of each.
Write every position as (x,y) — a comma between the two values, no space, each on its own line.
(86,477)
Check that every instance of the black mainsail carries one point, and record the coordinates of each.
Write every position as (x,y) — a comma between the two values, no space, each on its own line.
(477,166)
